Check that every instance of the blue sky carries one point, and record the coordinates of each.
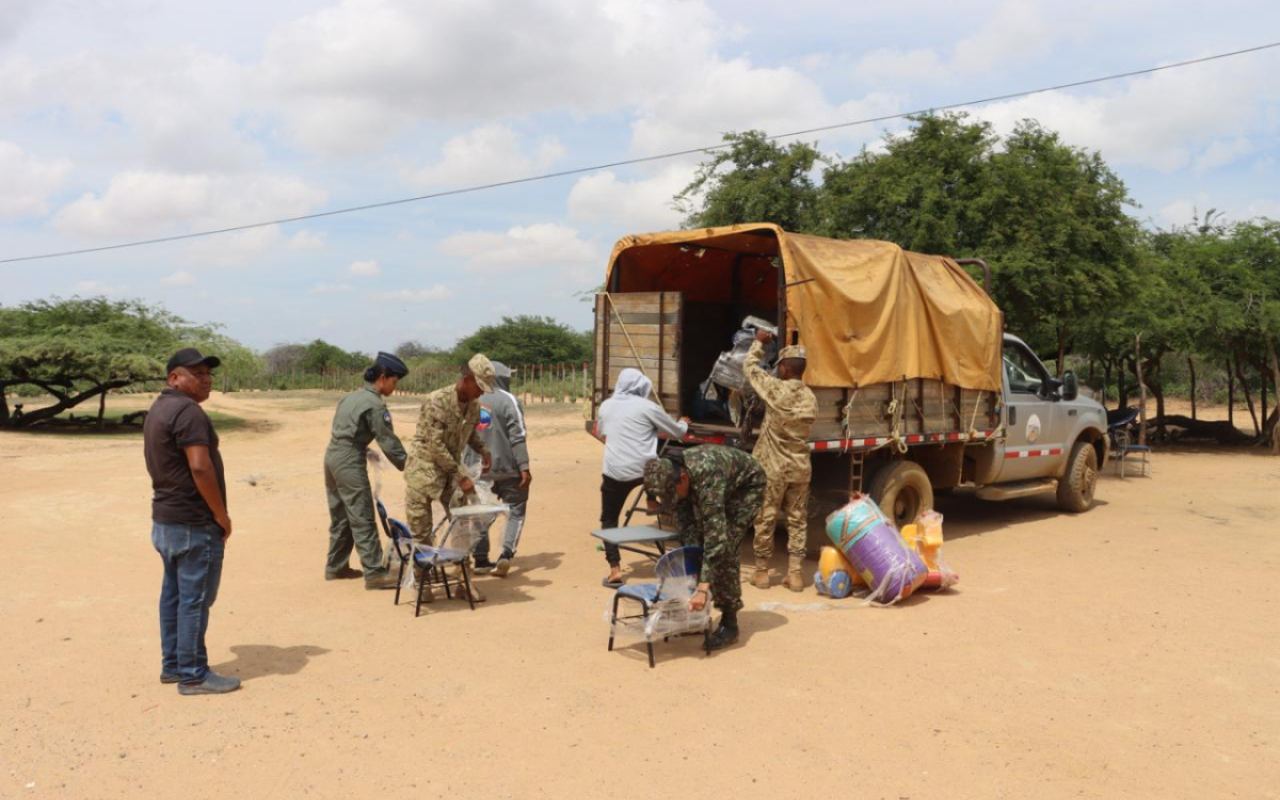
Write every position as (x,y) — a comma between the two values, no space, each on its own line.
(130,119)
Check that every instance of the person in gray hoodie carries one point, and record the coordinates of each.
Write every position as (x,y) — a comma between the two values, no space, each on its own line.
(502,428)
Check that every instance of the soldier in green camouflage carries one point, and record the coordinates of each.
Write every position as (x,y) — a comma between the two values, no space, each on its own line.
(783,452)
(361,417)
(716,496)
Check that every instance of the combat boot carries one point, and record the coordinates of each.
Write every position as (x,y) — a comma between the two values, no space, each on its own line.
(726,634)
(760,579)
(795,575)
(383,580)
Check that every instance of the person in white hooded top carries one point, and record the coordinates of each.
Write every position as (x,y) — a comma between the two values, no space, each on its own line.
(629,426)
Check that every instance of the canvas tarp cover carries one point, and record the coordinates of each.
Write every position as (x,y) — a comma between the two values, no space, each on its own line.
(867,312)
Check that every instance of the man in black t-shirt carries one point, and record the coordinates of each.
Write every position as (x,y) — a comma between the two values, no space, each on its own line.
(190,525)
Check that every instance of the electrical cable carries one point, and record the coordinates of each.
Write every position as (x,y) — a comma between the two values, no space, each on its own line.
(632,161)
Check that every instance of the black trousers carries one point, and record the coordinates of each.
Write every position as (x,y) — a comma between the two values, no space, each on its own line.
(613,498)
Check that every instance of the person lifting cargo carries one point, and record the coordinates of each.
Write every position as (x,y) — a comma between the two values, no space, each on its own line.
(783,452)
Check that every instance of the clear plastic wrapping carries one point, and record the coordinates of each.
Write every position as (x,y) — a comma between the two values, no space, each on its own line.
(876,550)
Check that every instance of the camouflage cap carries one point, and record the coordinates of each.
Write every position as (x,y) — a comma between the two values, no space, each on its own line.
(482,368)
(660,476)
(793,351)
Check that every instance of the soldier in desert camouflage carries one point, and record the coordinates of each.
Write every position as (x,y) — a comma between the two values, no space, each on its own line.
(783,452)
(446,425)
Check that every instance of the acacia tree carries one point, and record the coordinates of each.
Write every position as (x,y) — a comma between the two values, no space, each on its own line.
(526,339)
(83,348)
(754,180)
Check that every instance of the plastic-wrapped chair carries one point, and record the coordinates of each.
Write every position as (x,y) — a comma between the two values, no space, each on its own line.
(664,606)
(433,561)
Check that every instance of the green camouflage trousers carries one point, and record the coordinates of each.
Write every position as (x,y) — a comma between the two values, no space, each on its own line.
(792,500)
(724,570)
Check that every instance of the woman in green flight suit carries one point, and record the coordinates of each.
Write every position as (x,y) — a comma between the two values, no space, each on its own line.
(361,417)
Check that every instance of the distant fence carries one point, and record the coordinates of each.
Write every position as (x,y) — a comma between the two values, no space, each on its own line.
(532,383)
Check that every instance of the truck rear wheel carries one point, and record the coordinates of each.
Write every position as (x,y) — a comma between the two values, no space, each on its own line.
(903,491)
(1075,490)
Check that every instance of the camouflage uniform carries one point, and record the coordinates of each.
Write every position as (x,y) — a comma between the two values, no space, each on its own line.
(361,417)
(726,486)
(435,457)
(783,453)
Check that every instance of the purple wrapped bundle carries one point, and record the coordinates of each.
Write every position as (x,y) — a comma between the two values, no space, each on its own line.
(886,564)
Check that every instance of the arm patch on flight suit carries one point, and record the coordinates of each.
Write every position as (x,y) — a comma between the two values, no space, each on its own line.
(386,415)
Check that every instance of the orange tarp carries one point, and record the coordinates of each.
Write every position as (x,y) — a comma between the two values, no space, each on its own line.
(867,312)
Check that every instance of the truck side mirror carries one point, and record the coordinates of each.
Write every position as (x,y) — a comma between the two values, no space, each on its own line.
(1070,386)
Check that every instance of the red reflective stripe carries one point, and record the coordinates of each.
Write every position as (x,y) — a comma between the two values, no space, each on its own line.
(915,437)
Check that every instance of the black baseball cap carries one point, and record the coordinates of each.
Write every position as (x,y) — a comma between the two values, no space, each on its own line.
(190,357)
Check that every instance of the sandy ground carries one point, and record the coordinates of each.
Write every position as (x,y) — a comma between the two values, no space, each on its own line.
(1129,652)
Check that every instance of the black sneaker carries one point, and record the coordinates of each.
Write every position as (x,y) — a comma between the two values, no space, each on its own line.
(482,566)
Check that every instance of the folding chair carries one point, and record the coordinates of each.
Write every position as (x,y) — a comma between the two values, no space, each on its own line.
(432,561)
(664,607)
(1119,424)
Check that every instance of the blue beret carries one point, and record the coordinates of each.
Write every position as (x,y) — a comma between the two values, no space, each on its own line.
(391,365)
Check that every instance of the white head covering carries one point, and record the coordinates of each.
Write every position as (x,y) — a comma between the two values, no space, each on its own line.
(633,383)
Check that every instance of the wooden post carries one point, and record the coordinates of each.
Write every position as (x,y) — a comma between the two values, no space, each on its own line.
(1231,394)
(1142,389)
(1191,367)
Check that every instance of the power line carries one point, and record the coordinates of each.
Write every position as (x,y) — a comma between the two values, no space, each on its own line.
(631,161)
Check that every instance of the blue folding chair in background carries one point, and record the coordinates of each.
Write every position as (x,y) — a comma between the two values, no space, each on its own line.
(664,609)
(1119,426)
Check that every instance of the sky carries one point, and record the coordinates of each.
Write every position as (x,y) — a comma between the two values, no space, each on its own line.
(123,120)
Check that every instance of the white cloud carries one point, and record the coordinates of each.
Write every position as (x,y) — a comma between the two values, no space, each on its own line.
(436,292)
(630,206)
(141,203)
(28,181)
(1018,31)
(96,288)
(735,96)
(527,247)
(365,269)
(354,75)
(330,288)
(308,240)
(175,109)
(1264,208)
(178,279)
(1221,153)
(238,249)
(488,153)
(1161,121)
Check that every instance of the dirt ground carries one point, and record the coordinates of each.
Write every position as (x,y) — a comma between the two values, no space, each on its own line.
(1129,652)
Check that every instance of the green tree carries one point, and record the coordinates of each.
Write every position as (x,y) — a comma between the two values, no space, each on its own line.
(754,180)
(320,357)
(83,348)
(526,340)
(928,191)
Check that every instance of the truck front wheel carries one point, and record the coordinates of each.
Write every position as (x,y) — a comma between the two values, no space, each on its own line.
(903,491)
(1075,490)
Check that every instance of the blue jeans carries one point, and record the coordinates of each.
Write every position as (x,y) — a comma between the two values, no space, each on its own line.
(192,557)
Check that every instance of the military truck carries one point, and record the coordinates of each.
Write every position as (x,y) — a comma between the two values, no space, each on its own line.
(919,389)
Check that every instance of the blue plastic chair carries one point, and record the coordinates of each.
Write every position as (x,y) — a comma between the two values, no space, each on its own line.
(677,572)
(431,560)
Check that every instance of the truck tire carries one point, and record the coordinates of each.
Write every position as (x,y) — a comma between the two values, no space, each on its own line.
(903,491)
(1075,490)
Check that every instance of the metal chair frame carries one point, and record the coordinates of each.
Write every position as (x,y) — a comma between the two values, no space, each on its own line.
(433,567)
(646,606)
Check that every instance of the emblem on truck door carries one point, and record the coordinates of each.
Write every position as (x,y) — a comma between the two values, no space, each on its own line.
(1033,428)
